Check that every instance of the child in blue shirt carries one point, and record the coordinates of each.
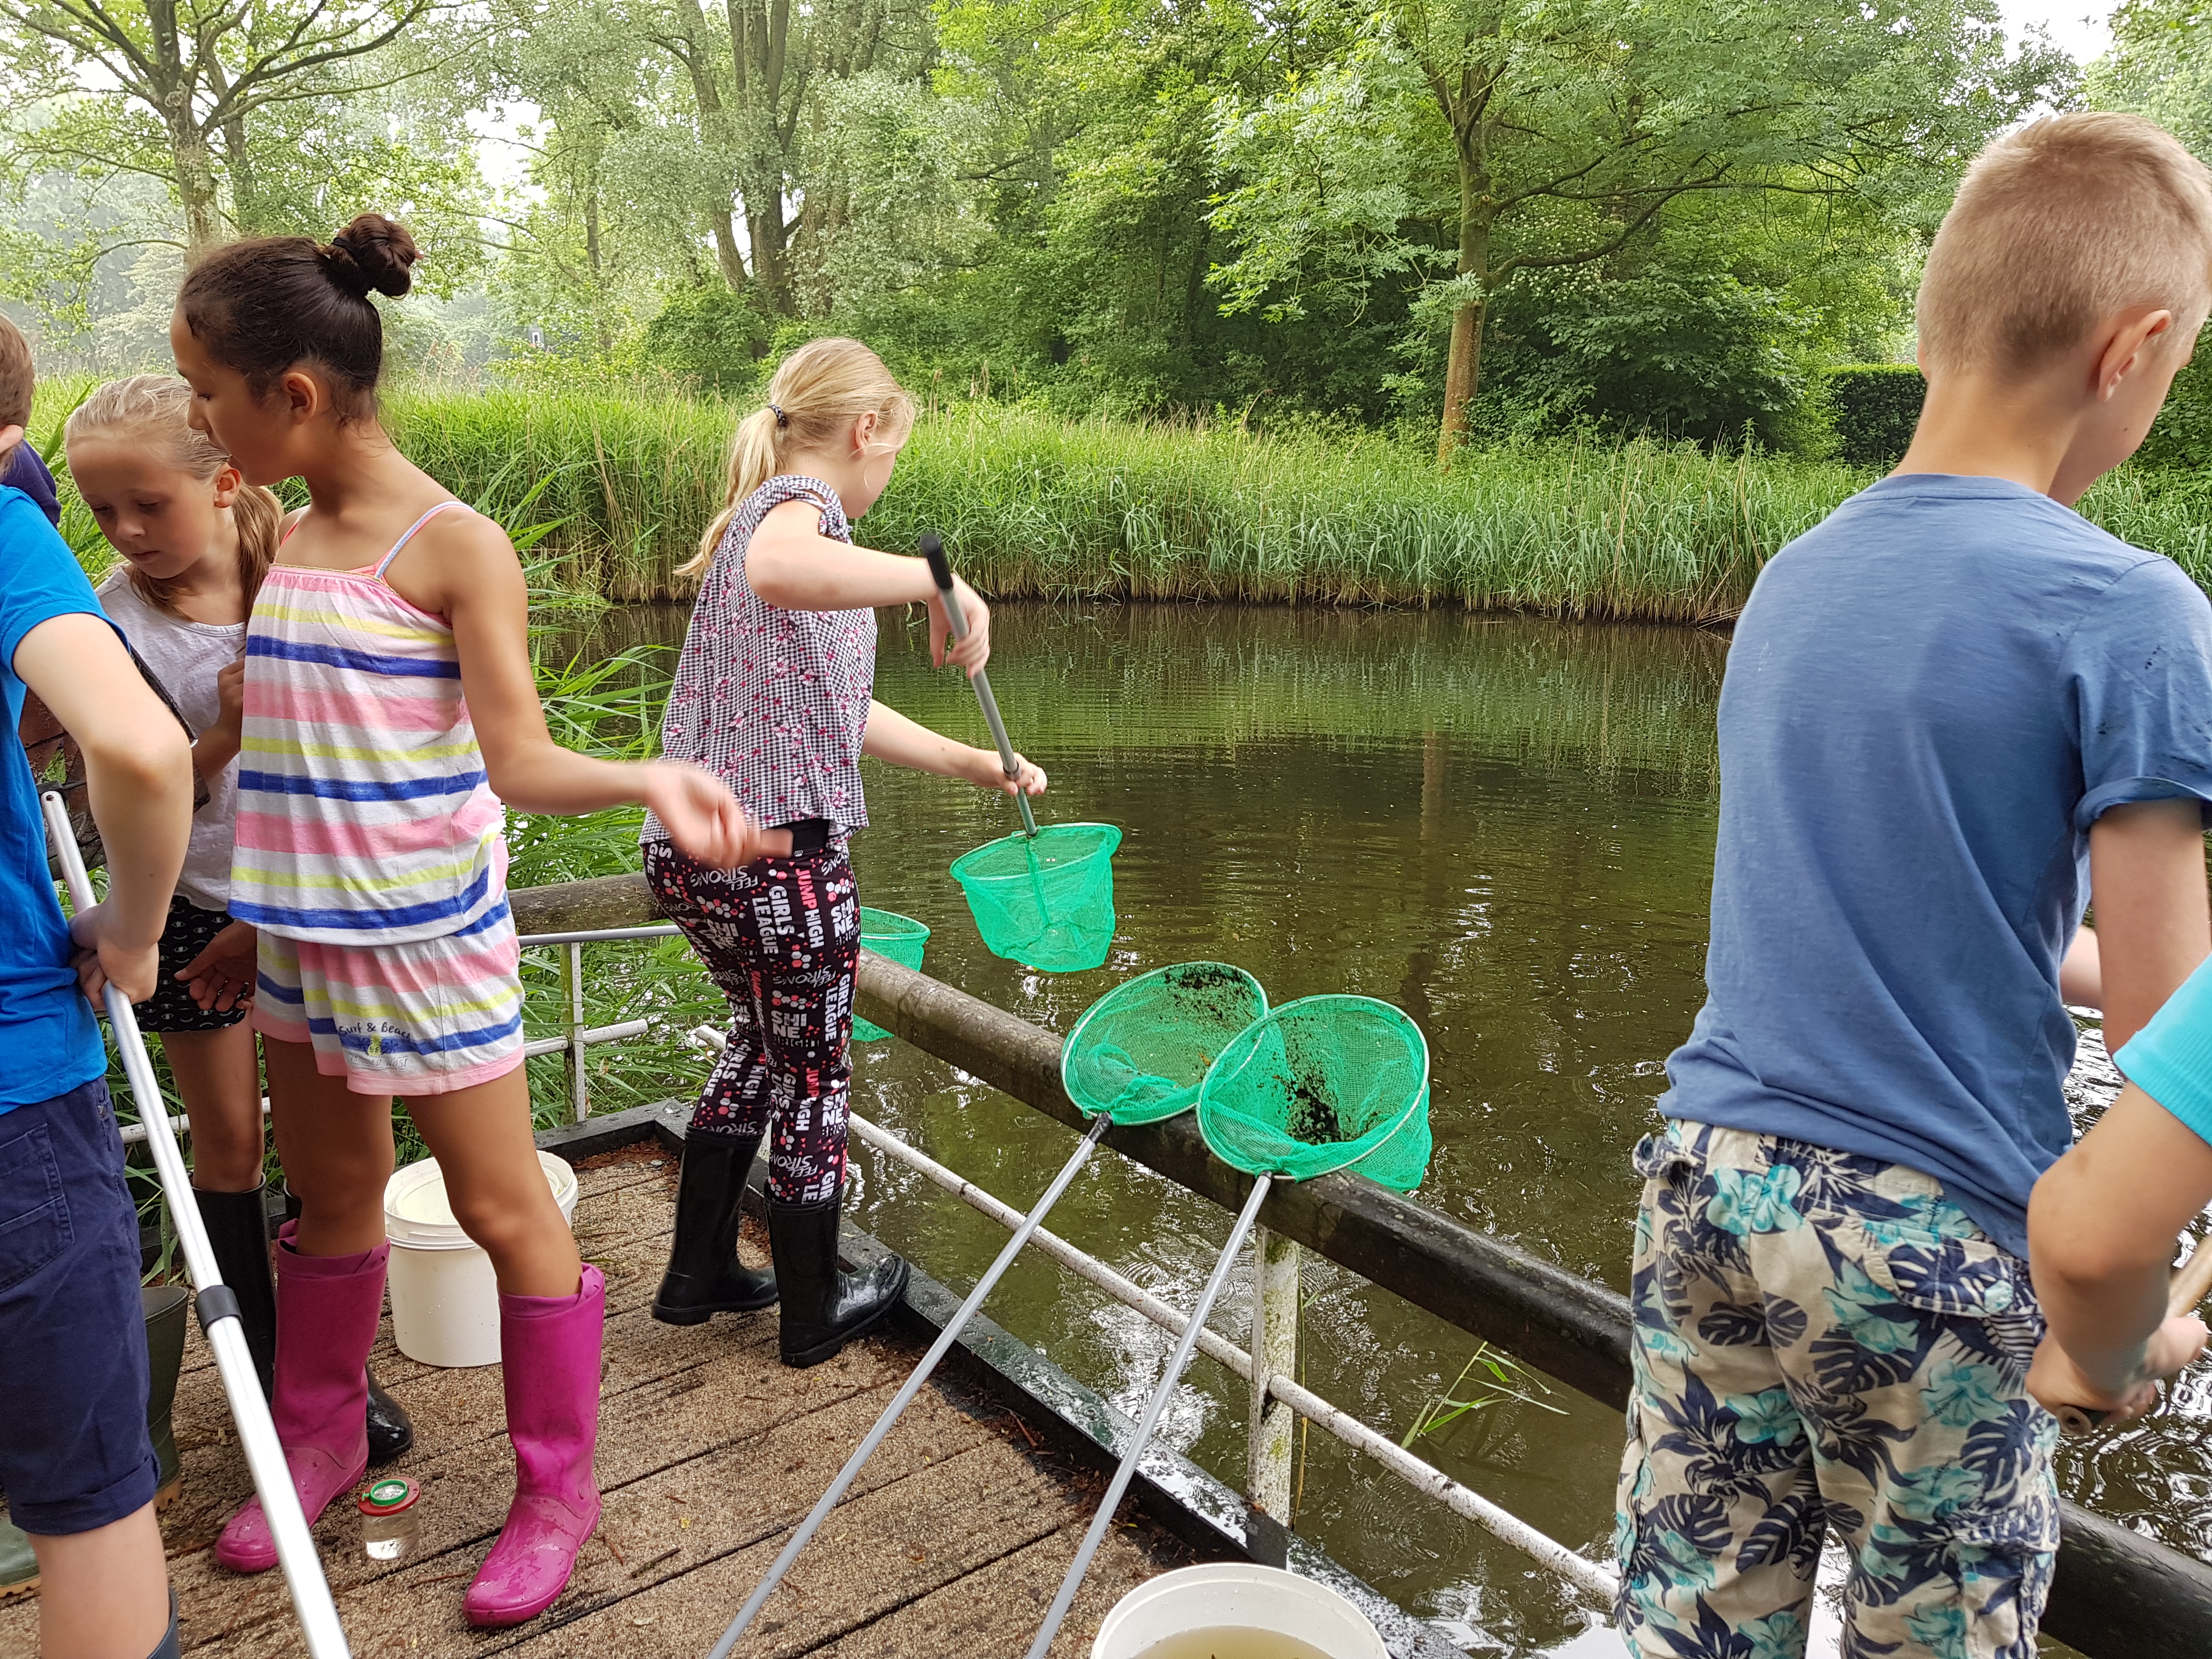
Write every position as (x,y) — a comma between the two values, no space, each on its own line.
(74,1459)
(1952,710)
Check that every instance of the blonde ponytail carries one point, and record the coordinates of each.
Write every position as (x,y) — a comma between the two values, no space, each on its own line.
(155,410)
(817,394)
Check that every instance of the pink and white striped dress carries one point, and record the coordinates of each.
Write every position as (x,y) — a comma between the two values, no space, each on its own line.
(370,851)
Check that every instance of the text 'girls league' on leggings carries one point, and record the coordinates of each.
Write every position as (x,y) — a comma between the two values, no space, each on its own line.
(781,938)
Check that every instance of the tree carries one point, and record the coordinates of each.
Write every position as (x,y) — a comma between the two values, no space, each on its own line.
(1469,141)
(189,79)
(2161,66)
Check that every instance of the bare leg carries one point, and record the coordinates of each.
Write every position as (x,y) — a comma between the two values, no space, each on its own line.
(103,1594)
(481,1137)
(219,1075)
(336,1149)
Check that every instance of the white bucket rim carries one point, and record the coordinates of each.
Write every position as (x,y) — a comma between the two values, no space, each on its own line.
(405,1235)
(1230,1577)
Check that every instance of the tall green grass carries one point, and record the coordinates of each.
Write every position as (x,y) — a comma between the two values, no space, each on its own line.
(1040,507)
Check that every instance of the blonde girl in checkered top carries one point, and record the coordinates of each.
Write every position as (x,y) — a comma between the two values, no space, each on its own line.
(390,708)
(774,693)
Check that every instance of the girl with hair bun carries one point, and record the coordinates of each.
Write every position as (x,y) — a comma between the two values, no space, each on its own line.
(195,541)
(774,692)
(389,708)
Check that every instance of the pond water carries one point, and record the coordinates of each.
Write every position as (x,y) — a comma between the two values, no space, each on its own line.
(1505,827)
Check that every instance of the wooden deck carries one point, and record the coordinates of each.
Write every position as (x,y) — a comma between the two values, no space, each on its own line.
(951,1543)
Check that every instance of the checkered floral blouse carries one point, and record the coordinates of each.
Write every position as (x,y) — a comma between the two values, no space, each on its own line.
(774,702)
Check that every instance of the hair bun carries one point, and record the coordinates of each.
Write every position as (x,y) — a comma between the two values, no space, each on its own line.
(373,253)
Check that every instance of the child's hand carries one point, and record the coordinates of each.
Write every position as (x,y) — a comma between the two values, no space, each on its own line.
(221,976)
(2055,1379)
(703,817)
(100,960)
(985,771)
(972,652)
(230,696)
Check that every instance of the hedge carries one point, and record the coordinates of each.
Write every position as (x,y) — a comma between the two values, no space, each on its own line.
(1874,408)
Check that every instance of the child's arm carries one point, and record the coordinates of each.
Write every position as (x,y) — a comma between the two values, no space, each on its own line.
(138,783)
(2101,1226)
(474,573)
(2080,974)
(892,737)
(2153,923)
(790,564)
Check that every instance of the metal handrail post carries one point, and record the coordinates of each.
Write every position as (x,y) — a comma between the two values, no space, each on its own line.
(573,972)
(1274,1355)
(218,1306)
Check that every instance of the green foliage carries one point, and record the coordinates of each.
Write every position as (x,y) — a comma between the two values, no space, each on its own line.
(1102,509)
(1874,408)
(711,337)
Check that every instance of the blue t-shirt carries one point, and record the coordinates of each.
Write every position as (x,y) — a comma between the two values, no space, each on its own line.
(1930,698)
(2170,1060)
(47,1028)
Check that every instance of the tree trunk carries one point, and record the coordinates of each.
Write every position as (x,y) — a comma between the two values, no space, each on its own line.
(196,188)
(1463,363)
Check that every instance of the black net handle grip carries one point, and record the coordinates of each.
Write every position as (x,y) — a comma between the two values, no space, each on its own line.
(940,572)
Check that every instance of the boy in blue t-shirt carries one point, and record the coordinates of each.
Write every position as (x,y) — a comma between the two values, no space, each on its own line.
(1952,710)
(74,1459)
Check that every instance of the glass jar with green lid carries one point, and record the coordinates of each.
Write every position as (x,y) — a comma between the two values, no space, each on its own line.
(390,1521)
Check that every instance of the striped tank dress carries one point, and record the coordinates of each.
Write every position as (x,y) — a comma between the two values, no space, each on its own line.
(369,850)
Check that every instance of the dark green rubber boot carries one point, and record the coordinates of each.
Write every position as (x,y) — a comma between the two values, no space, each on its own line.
(167,1307)
(19,1568)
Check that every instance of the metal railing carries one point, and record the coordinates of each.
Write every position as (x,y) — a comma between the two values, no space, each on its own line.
(2116,1593)
(578,1037)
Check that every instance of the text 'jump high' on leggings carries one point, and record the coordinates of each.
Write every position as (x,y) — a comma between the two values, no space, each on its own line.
(781,940)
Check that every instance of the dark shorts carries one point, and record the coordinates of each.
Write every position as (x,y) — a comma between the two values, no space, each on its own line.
(188,931)
(74,1454)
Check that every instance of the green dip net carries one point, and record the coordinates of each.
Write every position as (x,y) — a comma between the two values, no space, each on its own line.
(1045,900)
(1139,1052)
(887,934)
(1321,1084)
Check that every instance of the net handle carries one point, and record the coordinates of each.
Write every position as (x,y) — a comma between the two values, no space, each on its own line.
(940,572)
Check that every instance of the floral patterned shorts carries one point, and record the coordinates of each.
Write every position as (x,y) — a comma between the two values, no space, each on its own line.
(1825,1342)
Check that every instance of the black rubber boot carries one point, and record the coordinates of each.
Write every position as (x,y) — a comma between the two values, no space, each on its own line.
(166,1306)
(391,1432)
(704,1276)
(825,1307)
(167,1647)
(238,1232)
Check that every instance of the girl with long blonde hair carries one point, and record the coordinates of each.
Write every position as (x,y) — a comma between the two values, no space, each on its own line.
(773,694)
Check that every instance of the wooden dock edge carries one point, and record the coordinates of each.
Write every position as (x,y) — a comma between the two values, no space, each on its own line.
(1172,1491)
(2116,1593)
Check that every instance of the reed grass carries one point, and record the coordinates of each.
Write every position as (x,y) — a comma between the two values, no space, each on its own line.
(1036,507)
(1040,507)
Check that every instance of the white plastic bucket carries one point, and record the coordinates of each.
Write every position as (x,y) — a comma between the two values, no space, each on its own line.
(445,1299)
(1233,1610)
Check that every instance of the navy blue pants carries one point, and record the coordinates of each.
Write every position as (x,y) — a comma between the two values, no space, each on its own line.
(74,1454)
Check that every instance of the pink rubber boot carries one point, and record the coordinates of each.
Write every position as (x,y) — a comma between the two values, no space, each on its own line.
(549,1350)
(327,1307)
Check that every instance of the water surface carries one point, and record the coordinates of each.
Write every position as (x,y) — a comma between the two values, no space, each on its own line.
(1505,828)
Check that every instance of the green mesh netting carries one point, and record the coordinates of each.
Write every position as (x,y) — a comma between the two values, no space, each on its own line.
(1324,1083)
(1045,900)
(888,934)
(1140,1051)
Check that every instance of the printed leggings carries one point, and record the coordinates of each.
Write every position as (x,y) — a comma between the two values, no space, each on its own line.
(781,938)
